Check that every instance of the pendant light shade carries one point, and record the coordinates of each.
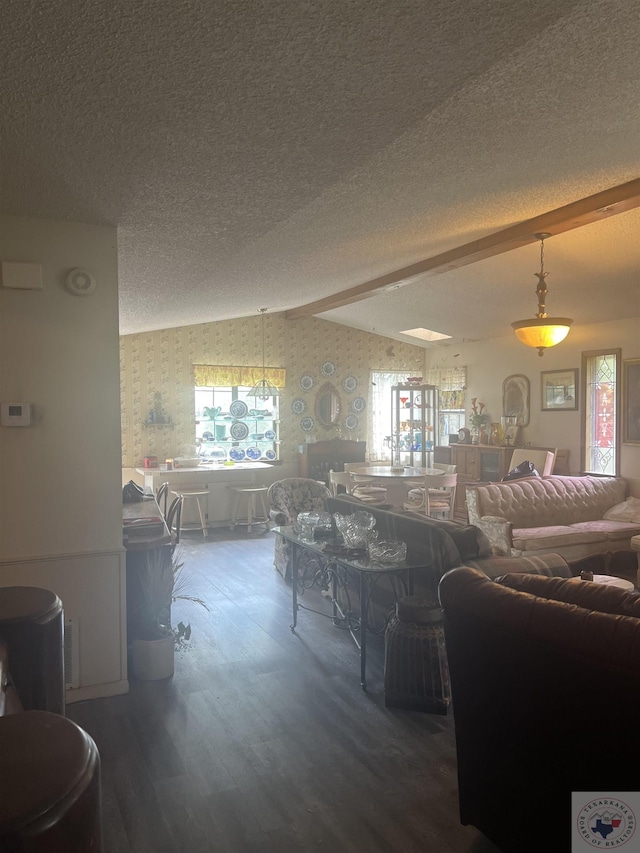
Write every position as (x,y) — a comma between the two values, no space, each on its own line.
(263,389)
(542,331)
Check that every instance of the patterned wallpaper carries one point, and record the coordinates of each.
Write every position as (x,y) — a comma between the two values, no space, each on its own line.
(161,362)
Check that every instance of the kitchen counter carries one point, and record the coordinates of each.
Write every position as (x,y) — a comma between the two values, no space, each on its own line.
(214,477)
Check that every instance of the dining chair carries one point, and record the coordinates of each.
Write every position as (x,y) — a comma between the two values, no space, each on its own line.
(435,494)
(543,460)
(338,478)
(442,466)
(162,497)
(362,487)
(173,520)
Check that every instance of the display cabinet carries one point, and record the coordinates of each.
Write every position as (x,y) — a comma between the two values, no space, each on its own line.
(315,460)
(415,424)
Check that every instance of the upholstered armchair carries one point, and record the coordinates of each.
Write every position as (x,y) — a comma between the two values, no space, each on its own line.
(287,498)
(545,679)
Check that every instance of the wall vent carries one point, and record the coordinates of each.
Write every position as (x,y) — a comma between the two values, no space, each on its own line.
(71,654)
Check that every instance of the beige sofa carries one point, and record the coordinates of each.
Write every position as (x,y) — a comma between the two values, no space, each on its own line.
(564,515)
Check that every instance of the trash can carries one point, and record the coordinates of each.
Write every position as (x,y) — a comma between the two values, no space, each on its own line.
(31,623)
(416,675)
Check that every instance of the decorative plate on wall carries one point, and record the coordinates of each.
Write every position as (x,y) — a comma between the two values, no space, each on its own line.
(254,453)
(237,454)
(238,409)
(327,368)
(350,383)
(306,382)
(269,435)
(307,424)
(359,404)
(270,454)
(351,422)
(239,431)
(298,406)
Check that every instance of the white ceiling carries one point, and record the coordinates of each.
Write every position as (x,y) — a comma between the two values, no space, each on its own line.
(258,153)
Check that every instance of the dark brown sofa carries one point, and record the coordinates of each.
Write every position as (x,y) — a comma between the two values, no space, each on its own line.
(545,678)
(442,545)
(437,546)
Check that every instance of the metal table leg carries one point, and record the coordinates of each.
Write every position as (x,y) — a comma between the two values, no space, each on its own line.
(364,607)
(294,585)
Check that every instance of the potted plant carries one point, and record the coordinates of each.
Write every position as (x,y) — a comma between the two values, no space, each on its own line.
(162,582)
(478,418)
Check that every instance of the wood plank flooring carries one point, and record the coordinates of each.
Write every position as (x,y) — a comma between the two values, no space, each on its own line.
(263,740)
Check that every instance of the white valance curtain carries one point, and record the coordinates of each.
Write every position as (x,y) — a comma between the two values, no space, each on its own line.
(226,376)
(452,384)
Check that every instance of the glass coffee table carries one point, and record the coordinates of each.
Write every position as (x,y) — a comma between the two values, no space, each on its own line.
(332,567)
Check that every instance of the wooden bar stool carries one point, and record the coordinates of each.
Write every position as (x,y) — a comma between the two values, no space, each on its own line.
(197,494)
(253,495)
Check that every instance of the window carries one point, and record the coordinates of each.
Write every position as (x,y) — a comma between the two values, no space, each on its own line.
(600,427)
(381,416)
(452,385)
(245,428)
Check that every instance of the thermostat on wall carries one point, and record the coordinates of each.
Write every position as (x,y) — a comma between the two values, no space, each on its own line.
(15,414)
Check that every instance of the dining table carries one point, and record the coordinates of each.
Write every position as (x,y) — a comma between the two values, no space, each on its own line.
(395,480)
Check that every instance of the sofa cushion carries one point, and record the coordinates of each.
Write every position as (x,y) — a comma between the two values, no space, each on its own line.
(547,501)
(551,565)
(608,529)
(591,596)
(553,536)
(587,632)
(453,542)
(628,510)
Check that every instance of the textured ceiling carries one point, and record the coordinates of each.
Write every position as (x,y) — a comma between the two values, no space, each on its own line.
(271,153)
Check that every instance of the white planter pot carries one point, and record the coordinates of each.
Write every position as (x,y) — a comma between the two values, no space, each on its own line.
(152,659)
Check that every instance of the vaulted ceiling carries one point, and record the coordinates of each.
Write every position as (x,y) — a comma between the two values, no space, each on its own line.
(259,153)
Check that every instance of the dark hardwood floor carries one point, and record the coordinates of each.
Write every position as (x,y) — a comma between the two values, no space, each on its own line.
(263,739)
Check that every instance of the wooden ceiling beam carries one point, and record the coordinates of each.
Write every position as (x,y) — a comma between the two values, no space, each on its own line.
(585,211)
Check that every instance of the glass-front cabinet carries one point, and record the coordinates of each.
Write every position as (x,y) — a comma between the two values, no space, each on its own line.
(415,424)
(230,425)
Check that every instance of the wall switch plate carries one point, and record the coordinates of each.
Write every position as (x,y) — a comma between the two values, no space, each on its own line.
(15,414)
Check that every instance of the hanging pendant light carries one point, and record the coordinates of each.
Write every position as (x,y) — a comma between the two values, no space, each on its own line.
(543,331)
(263,389)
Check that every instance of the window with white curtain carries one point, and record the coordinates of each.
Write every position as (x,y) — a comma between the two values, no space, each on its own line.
(380,411)
(452,386)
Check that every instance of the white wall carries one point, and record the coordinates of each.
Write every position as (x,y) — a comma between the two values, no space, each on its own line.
(490,362)
(60,500)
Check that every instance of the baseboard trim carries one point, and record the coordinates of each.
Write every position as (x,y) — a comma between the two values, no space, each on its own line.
(96,691)
(48,558)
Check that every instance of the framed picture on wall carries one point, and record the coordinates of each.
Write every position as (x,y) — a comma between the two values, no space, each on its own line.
(559,390)
(631,401)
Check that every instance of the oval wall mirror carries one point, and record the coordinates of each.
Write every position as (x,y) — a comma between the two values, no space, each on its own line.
(328,405)
(515,398)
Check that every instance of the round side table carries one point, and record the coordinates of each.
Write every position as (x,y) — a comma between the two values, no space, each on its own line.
(610,580)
